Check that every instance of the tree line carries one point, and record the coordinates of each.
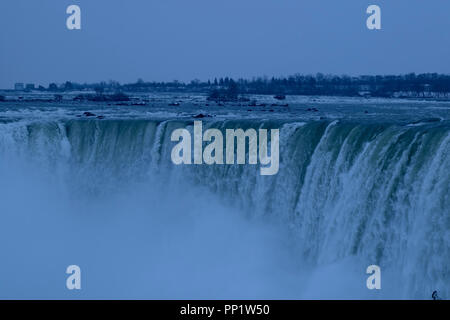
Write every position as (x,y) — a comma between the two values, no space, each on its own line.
(408,85)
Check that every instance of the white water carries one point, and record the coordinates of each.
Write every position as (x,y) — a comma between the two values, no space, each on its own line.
(104,195)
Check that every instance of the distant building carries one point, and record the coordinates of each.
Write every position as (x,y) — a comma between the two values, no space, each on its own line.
(30,86)
(19,86)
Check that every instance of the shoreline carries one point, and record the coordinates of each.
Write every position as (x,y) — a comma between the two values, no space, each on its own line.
(141,98)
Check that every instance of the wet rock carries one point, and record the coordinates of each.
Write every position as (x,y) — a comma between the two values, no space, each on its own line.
(118,97)
(201,116)
(435,296)
(427,120)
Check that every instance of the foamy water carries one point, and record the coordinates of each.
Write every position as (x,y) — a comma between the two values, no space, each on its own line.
(359,184)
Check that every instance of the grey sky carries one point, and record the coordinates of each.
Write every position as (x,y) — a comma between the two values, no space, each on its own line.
(180,39)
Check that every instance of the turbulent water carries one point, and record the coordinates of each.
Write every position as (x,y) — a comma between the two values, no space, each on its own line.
(358,185)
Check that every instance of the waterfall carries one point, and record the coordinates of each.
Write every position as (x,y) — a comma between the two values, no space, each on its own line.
(374,193)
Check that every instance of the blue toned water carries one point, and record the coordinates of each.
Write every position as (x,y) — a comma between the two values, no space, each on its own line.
(361,182)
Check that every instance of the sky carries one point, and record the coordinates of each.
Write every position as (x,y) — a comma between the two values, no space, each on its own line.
(165,40)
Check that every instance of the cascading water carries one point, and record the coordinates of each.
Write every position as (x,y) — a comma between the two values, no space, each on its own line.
(105,195)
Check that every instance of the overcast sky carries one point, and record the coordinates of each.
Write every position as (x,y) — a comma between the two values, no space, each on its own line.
(179,39)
